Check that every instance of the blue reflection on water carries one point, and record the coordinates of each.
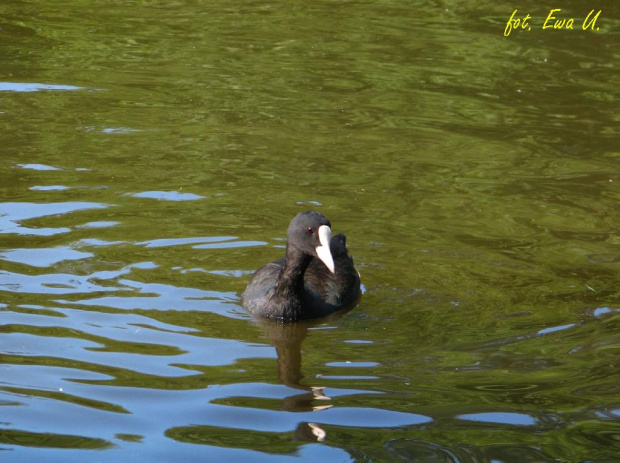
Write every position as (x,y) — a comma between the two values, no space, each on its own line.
(517,419)
(23,87)
(168,195)
(12,213)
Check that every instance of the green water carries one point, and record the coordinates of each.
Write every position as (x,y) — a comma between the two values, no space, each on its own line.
(154,152)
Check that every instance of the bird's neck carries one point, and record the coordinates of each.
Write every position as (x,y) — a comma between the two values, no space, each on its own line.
(290,285)
(295,264)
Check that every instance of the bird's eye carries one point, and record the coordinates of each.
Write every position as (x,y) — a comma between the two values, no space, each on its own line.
(310,231)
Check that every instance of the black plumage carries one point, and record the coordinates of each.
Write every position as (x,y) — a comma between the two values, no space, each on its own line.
(312,279)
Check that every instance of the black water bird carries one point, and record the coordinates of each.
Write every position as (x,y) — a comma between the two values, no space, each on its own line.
(315,278)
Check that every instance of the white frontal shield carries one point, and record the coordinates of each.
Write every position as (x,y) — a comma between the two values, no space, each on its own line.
(322,251)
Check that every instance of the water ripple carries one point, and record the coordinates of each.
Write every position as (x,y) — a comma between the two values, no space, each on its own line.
(31,87)
(43,257)
(13,213)
(53,283)
(168,195)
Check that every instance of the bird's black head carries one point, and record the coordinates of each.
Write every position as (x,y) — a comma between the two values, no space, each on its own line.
(310,232)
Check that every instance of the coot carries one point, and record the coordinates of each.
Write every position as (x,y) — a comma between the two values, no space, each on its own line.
(315,277)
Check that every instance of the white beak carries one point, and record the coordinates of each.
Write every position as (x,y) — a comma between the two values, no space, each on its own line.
(322,251)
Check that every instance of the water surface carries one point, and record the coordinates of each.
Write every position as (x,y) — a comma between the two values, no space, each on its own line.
(154,153)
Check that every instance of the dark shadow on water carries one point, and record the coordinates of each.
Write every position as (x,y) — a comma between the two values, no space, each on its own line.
(287,339)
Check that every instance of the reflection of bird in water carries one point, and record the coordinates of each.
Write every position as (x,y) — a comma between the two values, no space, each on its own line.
(287,339)
(310,432)
(304,402)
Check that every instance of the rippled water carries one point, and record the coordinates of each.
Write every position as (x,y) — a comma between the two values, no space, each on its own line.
(154,153)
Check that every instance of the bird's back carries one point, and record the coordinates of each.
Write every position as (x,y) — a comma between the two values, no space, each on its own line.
(324,292)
